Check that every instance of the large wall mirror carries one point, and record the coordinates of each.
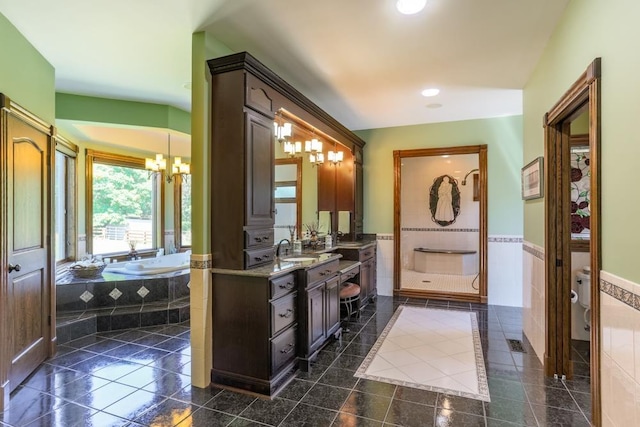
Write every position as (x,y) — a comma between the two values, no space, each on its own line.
(321,182)
(440,223)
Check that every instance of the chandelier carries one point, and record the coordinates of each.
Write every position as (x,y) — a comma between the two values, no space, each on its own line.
(159,164)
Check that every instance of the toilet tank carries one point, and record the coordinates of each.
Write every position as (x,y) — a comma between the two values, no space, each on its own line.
(583,278)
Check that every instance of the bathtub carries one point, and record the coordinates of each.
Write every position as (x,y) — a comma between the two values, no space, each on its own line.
(445,261)
(148,266)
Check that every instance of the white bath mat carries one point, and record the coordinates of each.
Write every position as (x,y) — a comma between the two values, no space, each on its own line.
(430,349)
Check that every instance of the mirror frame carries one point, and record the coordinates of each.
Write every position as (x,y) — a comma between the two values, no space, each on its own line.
(398,155)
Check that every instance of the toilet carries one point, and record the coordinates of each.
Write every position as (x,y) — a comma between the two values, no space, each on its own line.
(583,279)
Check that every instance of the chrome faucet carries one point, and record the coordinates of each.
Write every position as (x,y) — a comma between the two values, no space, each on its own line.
(280,243)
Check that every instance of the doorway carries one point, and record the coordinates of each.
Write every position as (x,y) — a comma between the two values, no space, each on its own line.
(564,229)
(440,223)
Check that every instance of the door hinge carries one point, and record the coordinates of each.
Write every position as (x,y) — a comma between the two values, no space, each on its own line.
(558,263)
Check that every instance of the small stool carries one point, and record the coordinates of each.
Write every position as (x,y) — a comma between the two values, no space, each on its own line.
(349,294)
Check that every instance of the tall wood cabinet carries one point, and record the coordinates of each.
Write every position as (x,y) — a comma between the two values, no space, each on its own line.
(245,97)
(242,173)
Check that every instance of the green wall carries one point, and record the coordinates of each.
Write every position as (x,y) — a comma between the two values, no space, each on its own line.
(117,111)
(203,47)
(25,75)
(590,29)
(503,137)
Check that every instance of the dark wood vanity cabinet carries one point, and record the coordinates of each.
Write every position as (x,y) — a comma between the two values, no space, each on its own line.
(256,334)
(321,303)
(367,277)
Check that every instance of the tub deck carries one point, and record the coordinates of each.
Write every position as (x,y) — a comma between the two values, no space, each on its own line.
(445,261)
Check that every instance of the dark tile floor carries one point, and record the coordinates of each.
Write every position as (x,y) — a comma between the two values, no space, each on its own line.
(141,377)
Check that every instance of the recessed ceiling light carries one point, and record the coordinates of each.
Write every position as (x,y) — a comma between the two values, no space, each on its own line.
(410,7)
(434,105)
(430,92)
(444,156)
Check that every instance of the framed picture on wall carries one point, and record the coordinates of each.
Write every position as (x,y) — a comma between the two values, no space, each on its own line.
(533,180)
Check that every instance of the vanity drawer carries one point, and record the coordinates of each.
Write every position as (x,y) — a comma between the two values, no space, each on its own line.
(350,274)
(283,348)
(255,257)
(260,237)
(367,253)
(322,272)
(283,313)
(282,285)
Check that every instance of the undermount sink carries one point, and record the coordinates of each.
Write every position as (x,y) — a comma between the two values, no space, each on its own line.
(300,259)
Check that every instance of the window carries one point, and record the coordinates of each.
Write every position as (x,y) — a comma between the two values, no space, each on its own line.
(182,211)
(288,198)
(123,204)
(65,201)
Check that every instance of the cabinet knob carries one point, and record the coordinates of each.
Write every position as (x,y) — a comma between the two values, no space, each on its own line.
(287,349)
(287,314)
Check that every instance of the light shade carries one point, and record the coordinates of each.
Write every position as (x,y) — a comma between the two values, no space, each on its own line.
(410,7)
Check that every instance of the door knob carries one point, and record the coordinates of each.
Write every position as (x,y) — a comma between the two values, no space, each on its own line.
(16,267)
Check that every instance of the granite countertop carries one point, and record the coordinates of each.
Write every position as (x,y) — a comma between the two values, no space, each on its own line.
(282,266)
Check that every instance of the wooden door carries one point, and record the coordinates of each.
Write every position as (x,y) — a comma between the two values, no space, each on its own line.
(27,288)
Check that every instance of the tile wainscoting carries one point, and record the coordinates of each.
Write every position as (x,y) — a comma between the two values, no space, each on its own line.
(504,268)
(620,369)
(504,264)
(201,320)
(533,291)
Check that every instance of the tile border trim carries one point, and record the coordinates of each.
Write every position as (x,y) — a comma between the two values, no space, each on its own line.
(490,239)
(201,261)
(623,295)
(533,250)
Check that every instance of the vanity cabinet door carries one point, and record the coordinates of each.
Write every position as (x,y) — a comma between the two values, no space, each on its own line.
(332,300)
(259,169)
(315,317)
(366,274)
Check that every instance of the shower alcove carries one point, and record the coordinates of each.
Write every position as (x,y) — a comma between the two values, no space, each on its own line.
(440,223)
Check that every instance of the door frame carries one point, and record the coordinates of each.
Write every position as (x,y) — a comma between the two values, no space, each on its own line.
(583,94)
(398,155)
(10,108)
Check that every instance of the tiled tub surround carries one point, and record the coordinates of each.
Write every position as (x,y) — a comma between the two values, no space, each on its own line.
(141,377)
(117,301)
(620,355)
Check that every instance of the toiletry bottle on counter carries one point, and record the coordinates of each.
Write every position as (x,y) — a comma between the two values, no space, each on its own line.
(297,246)
(328,241)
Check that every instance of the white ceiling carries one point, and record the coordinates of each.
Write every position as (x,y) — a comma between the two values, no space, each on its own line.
(360,60)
